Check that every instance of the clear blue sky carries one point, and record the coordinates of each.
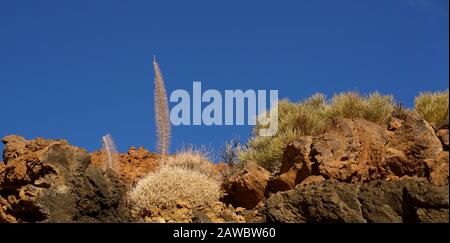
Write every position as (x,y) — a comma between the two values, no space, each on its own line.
(79,69)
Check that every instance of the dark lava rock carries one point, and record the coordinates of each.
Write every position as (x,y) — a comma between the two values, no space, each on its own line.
(410,200)
(52,181)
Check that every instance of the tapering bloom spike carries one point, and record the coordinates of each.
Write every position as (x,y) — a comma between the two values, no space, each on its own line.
(161,111)
(110,152)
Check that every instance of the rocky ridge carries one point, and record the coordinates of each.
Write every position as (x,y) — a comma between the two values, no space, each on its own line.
(52,181)
(348,173)
(356,171)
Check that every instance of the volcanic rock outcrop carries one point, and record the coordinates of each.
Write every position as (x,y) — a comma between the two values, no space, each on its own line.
(358,171)
(132,165)
(52,181)
(247,187)
(355,150)
(411,200)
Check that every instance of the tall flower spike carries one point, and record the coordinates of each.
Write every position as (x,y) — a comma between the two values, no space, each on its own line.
(161,111)
(110,152)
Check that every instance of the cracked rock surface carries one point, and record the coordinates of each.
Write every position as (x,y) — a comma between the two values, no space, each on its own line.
(52,181)
(409,200)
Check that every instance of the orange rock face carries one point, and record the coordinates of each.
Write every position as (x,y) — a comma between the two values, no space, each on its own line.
(355,150)
(132,165)
(52,181)
(444,137)
(247,187)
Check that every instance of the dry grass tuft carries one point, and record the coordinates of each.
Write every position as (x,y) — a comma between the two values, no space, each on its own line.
(170,184)
(311,117)
(433,107)
(192,159)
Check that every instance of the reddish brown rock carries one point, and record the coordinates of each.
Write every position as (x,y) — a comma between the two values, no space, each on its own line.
(287,181)
(51,181)
(283,182)
(295,166)
(356,150)
(438,168)
(416,139)
(14,147)
(247,187)
(444,137)
(296,152)
(396,161)
(312,180)
(217,212)
(350,150)
(139,154)
(395,124)
(4,216)
(132,165)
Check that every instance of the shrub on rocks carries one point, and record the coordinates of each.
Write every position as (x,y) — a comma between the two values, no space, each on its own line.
(312,117)
(170,184)
(192,159)
(433,107)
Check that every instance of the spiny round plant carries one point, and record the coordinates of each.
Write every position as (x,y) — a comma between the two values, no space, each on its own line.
(170,184)
(192,159)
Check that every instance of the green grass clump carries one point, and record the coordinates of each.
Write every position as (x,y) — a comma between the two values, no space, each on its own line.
(433,107)
(375,107)
(311,117)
